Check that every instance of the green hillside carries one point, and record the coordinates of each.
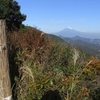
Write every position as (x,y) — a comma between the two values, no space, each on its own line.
(55,38)
(89,48)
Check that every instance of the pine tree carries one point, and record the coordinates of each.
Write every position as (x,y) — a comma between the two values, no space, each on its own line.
(10,11)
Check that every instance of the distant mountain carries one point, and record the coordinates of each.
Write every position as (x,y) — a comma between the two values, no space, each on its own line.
(69,32)
(89,40)
(90,46)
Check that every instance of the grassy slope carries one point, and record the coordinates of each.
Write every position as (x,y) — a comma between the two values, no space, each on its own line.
(41,62)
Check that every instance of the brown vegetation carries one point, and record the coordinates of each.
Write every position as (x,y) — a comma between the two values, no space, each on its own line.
(38,65)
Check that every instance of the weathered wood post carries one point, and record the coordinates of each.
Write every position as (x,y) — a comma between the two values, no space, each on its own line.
(5,86)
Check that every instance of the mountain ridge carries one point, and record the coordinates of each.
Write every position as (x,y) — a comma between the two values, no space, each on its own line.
(85,44)
(69,32)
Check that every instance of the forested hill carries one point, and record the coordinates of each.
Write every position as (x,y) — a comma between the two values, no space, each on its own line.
(55,38)
(91,48)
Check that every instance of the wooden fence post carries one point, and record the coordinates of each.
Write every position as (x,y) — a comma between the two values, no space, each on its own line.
(5,85)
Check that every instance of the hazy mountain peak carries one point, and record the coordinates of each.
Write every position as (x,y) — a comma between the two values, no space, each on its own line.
(69,32)
(67,29)
(70,28)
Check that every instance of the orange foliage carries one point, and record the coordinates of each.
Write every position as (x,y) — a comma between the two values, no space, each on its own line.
(93,64)
(84,91)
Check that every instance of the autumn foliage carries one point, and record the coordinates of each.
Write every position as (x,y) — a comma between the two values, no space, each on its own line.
(39,64)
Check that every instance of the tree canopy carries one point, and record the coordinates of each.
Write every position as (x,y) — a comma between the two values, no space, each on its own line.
(10,11)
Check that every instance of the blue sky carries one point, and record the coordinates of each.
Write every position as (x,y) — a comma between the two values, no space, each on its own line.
(55,15)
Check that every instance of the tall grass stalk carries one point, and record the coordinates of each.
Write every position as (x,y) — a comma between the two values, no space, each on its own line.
(73,77)
(26,70)
(75,56)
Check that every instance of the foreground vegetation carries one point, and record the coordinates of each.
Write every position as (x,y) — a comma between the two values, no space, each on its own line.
(44,64)
(40,63)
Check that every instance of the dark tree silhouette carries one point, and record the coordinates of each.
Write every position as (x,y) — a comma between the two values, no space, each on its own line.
(10,11)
